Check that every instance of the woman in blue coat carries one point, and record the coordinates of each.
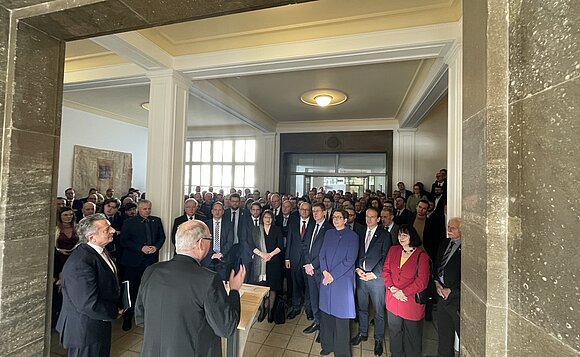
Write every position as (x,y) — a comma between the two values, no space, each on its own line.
(337,262)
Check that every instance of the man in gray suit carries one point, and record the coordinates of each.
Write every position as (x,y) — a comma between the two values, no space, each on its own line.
(183,306)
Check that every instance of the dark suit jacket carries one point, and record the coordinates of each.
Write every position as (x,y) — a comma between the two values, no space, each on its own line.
(245,223)
(191,319)
(311,256)
(452,273)
(359,229)
(133,238)
(90,292)
(406,217)
(375,255)
(280,223)
(181,219)
(394,233)
(294,252)
(114,247)
(226,241)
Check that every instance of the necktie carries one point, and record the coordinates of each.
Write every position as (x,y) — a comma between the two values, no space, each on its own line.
(148,236)
(445,258)
(216,238)
(368,240)
(235,222)
(108,260)
(255,222)
(190,218)
(313,237)
(350,226)
(285,221)
(303,229)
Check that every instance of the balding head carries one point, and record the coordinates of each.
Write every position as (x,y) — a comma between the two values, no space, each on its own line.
(189,236)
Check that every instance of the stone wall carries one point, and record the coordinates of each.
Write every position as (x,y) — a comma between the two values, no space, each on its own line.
(521,93)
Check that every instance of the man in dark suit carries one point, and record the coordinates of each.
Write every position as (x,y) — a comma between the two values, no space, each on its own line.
(111,211)
(219,259)
(439,200)
(353,225)
(190,212)
(311,250)
(447,271)
(141,238)
(90,290)
(283,221)
(403,190)
(389,225)
(402,214)
(298,230)
(197,310)
(440,181)
(241,225)
(373,248)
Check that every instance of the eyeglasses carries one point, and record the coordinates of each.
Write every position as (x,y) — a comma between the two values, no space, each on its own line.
(338,217)
(207,238)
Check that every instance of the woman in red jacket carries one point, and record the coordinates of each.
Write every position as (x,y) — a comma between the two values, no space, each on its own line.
(405,273)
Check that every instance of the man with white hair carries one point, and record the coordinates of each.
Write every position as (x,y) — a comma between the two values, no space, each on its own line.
(197,311)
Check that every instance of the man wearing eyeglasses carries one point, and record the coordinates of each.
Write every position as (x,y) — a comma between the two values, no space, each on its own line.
(184,307)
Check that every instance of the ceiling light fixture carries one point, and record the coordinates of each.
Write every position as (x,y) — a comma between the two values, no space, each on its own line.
(323,97)
(145,105)
(323,100)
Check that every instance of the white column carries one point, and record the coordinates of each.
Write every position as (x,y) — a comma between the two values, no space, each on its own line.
(454,131)
(266,162)
(168,100)
(404,157)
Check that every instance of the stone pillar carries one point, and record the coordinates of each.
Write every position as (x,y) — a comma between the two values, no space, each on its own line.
(404,158)
(520,172)
(169,95)
(31,70)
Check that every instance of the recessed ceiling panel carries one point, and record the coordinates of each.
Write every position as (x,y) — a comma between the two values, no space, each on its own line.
(374,91)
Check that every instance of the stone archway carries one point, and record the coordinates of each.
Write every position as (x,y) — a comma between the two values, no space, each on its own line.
(33,34)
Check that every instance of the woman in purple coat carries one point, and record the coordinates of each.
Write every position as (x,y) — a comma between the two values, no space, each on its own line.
(337,262)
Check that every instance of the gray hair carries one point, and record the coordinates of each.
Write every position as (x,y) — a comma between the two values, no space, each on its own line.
(188,238)
(86,226)
(143,202)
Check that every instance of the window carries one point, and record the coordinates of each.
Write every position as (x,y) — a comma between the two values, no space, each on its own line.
(220,163)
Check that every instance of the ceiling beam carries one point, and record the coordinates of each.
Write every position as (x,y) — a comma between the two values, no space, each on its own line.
(137,49)
(224,98)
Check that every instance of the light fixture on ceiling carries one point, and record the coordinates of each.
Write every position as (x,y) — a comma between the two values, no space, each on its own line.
(323,97)
(145,105)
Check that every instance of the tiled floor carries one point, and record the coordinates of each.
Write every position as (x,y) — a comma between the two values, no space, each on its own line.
(264,340)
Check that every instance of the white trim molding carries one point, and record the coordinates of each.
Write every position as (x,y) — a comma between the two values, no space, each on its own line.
(403,156)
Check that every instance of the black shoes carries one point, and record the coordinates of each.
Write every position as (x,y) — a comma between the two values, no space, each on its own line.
(293,313)
(309,316)
(324,353)
(358,339)
(378,348)
(126,324)
(311,328)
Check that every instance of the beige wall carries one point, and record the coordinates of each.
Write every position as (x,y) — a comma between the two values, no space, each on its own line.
(431,145)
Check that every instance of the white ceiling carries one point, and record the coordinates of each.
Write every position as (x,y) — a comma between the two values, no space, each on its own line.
(107,76)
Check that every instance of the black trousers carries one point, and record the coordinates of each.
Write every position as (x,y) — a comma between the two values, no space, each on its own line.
(133,275)
(447,324)
(300,288)
(314,287)
(406,336)
(335,334)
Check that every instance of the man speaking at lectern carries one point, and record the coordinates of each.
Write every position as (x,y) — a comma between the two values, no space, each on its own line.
(184,307)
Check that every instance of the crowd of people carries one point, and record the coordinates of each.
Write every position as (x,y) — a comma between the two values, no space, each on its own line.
(328,253)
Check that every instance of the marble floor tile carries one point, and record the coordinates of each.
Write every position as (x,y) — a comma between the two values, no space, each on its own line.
(270,351)
(289,353)
(258,336)
(251,349)
(277,340)
(285,329)
(299,344)
(264,325)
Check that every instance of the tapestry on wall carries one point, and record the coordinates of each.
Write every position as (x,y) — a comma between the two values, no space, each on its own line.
(101,169)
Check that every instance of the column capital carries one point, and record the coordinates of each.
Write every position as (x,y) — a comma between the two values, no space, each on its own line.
(164,74)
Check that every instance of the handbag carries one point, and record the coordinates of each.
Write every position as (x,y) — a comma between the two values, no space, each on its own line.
(279,311)
(427,295)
